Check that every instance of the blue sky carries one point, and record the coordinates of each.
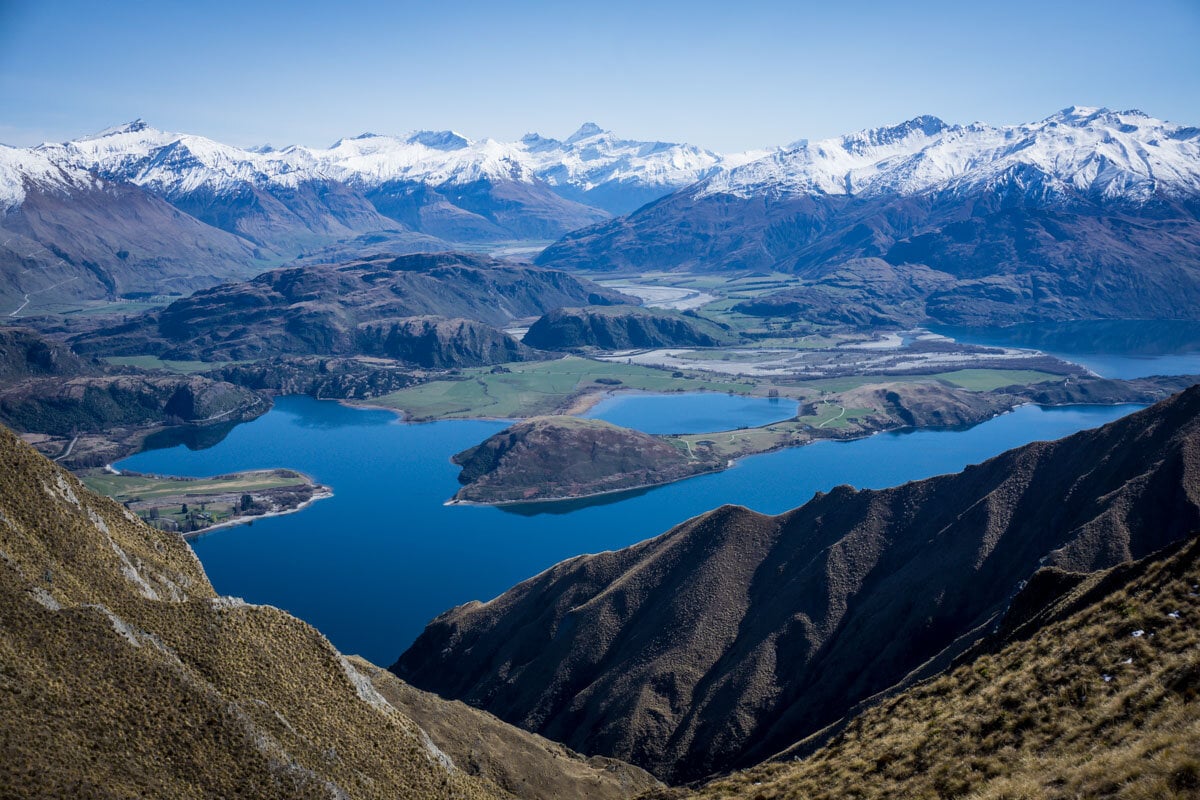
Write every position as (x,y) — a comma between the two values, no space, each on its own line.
(728,76)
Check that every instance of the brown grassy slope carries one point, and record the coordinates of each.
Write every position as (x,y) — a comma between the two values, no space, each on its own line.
(520,762)
(1036,719)
(122,674)
(734,635)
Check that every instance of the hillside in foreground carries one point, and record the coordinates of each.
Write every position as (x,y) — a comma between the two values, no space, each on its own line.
(1100,701)
(123,674)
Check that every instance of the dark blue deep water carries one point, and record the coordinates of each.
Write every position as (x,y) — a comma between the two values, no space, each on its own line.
(370,566)
(1111,348)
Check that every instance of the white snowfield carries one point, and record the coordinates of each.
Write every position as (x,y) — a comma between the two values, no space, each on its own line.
(1107,154)
(1093,151)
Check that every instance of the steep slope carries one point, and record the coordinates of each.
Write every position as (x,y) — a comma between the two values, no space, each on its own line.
(439,343)
(735,634)
(1087,214)
(1083,707)
(352,309)
(520,762)
(66,236)
(126,675)
(622,328)
(560,457)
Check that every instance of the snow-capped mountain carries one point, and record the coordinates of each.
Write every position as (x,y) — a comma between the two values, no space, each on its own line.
(1087,213)
(1092,152)
(67,234)
(597,167)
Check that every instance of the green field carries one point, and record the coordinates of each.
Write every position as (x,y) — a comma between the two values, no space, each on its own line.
(124,488)
(154,362)
(977,380)
(190,504)
(985,380)
(542,387)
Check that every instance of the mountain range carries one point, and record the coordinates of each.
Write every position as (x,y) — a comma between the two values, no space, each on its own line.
(1089,213)
(134,210)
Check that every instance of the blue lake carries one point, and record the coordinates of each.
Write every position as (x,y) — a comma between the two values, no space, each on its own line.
(371,565)
(691,413)
(1112,348)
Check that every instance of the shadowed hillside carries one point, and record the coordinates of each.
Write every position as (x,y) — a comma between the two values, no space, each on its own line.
(1086,706)
(736,634)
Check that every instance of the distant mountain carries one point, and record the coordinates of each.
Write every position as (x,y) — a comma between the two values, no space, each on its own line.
(67,235)
(598,168)
(378,307)
(134,210)
(1089,213)
(736,634)
(125,674)
(436,183)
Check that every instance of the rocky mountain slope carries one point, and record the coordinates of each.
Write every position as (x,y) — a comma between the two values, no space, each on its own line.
(1089,213)
(1097,699)
(561,457)
(364,308)
(622,328)
(736,634)
(126,675)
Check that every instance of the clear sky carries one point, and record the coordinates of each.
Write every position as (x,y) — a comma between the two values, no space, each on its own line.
(725,75)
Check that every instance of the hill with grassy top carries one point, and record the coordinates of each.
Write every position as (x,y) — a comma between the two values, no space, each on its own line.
(559,457)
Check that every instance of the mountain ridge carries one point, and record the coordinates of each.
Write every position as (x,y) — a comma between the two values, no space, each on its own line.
(734,635)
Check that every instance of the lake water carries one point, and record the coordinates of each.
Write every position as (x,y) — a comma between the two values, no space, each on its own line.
(1111,348)
(371,565)
(691,413)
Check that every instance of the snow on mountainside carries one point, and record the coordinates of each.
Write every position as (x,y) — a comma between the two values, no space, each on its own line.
(21,168)
(1102,154)
(430,157)
(171,162)
(592,156)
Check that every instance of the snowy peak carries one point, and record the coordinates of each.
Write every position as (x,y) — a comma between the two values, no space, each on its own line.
(1078,152)
(586,131)
(137,126)
(440,140)
(914,130)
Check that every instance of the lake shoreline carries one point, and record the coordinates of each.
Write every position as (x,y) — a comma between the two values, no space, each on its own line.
(247,520)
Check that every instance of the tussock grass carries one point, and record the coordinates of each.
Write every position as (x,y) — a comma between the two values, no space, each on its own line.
(1037,719)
